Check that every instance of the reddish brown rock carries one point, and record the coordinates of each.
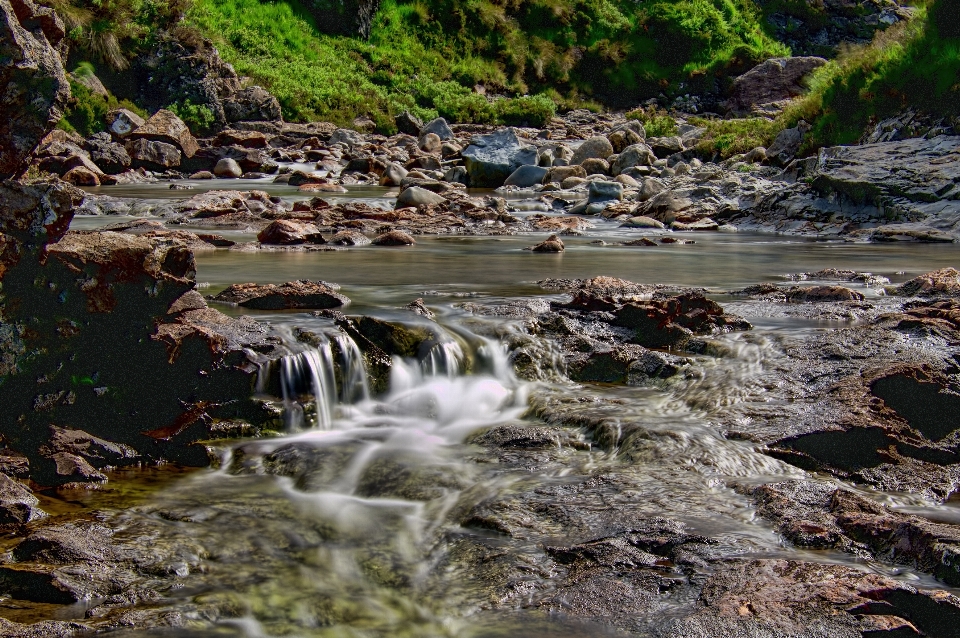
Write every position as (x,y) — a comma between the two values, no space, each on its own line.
(551,244)
(164,126)
(822,294)
(944,282)
(394,238)
(303,293)
(286,232)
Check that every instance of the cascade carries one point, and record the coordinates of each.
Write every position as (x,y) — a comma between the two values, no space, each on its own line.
(308,372)
(353,372)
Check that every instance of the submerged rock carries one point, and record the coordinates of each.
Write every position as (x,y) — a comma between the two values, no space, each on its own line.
(303,293)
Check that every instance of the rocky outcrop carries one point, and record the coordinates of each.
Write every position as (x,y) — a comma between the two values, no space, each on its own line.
(766,88)
(33,83)
(173,366)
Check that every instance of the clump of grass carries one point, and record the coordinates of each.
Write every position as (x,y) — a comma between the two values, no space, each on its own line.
(198,117)
(726,138)
(87,110)
(656,122)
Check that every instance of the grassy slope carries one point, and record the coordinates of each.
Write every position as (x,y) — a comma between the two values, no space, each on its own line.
(426,55)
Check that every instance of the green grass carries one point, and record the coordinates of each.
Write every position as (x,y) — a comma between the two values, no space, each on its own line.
(86,111)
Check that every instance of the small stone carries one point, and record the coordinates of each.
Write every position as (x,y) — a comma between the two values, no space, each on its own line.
(551,245)
(227,168)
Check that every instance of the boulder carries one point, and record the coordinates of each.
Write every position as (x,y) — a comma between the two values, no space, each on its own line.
(393,174)
(416,196)
(227,168)
(243,139)
(286,232)
(303,293)
(490,159)
(33,82)
(939,283)
(110,157)
(551,244)
(81,176)
(822,293)
(664,147)
(596,166)
(672,322)
(604,192)
(123,122)
(253,104)
(644,222)
(439,127)
(623,138)
(635,155)
(561,173)
(152,155)
(18,505)
(164,126)
(527,176)
(430,143)
(349,238)
(598,147)
(787,144)
(766,87)
(394,238)
(409,124)
(346,137)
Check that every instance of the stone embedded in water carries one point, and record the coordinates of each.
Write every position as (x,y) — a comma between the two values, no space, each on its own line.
(394,238)
(823,294)
(349,238)
(286,232)
(303,293)
(551,245)
(526,176)
(944,282)
(490,159)
(416,196)
(227,167)
(17,503)
(604,191)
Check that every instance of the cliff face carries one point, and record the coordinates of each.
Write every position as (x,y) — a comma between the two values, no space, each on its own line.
(33,84)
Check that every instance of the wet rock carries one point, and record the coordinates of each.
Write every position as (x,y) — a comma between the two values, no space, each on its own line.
(416,196)
(672,321)
(526,176)
(349,238)
(822,294)
(393,338)
(122,122)
(18,505)
(303,293)
(285,232)
(32,80)
(490,159)
(766,87)
(227,168)
(596,147)
(164,126)
(551,244)
(939,283)
(417,306)
(394,238)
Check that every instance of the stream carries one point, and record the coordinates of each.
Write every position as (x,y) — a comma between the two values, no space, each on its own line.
(372,536)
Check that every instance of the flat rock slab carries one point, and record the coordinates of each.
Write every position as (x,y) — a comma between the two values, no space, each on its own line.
(303,293)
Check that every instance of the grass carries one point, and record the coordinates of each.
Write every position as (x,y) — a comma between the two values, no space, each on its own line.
(86,111)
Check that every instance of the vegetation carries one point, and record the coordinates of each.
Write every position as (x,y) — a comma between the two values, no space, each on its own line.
(198,117)
(86,113)
(656,122)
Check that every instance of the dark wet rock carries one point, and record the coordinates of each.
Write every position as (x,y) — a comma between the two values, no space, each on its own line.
(286,232)
(394,238)
(490,159)
(110,287)
(822,294)
(939,283)
(551,244)
(394,338)
(794,598)
(18,505)
(32,80)
(303,293)
(766,87)
(43,629)
(164,126)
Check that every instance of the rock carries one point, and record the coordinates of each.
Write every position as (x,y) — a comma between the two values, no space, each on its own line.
(303,293)
(649,188)
(822,294)
(253,104)
(671,322)
(409,124)
(245,139)
(527,176)
(939,283)
(18,505)
(122,122)
(439,127)
(665,206)
(766,87)
(346,137)
(416,196)
(345,17)
(787,144)
(604,191)
(164,126)
(551,245)
(596,147)
(621,139)
(202,175)
(349,238)
(596,166)
(393,175)
(33,82)
(417,306)
(560,174)
(81,176)
(644,222)
(110,157)
(636,155)
(227,168)
(152,155)
(394,238)
(664,147)
(430,143)
(490,159)
(286,232)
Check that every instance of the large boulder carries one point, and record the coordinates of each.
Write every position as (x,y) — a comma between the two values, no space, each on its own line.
(173,365)
(598,147)
(33,85)
(490,159)
(164,126)
(153,155)
(766,87)
(109,156)
(787,144)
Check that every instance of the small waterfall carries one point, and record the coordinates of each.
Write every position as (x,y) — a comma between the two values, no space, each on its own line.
(353,372)
(309,372)
(444,359)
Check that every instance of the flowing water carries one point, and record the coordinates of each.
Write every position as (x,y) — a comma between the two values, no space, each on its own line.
(368,537)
